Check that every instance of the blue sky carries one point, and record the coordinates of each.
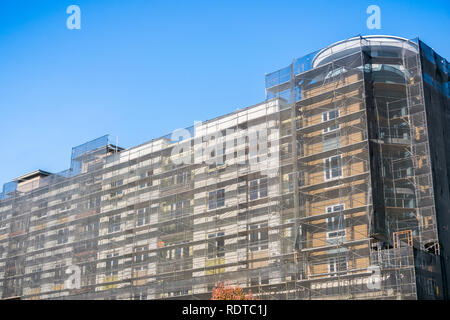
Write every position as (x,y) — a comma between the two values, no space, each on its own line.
(139,69)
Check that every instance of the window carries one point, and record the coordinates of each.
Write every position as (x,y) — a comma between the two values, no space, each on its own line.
(18,225)
(143,185)
(180,208)
(59,271)
(17,244)
(43,205)
(146,174)
(253,189)
(41,213)
(330,115)
(116,184)
(332,167)
(335,208)
(177,293)
(39,242)
(177,209)
(116,193)
(291,178)
(258,146)
(289,181)
(216,245)
(180,178)
(114,224)
(430,287)
(337,265)
(331,141)
(178,252)
(259,280)
(216,199)
(335,225)
(88,270)
(286,128)
(66,198)
(286,150)
(63,236)
(3,220)
(175,253)
(93,203)
(167,182)
(183,177)
(112,265)
(2,250)
(221,152)
(258,188)
(89,230)
(36,277)
(65,207)
(258,237)
(140,256)
(141,295)
(98,179)
(143,217)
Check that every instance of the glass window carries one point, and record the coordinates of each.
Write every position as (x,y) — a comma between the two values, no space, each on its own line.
(258,237)
(253,189)
(337,265)
(216,199)
(330,115)
(39,242)
(331,141)
(212,200)
(263,187)
(220,198)
(114,224)
(333,167)
(143,217)
(63,236)
(258,188)
(216,245)
(335,225)
(112,264)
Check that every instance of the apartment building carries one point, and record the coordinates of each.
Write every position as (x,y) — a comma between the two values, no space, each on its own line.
(335,187)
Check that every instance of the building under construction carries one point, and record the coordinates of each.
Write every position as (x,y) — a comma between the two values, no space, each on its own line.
(335,187)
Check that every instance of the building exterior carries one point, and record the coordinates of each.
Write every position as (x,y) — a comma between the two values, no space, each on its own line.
(335,187)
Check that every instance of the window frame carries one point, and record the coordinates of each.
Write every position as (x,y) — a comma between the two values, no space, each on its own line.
(39,242)
(259,244)
(330,220)
(112,264)
(216,245)
(142,217)
(113,224)
(213,199)
(64,234)
(336,262)
(331,143)
(330,169)
(258,190)
(327,113)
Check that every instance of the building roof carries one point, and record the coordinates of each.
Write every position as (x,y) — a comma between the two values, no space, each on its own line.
(32,175)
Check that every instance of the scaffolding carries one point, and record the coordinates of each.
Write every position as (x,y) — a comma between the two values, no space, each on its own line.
(318,208)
